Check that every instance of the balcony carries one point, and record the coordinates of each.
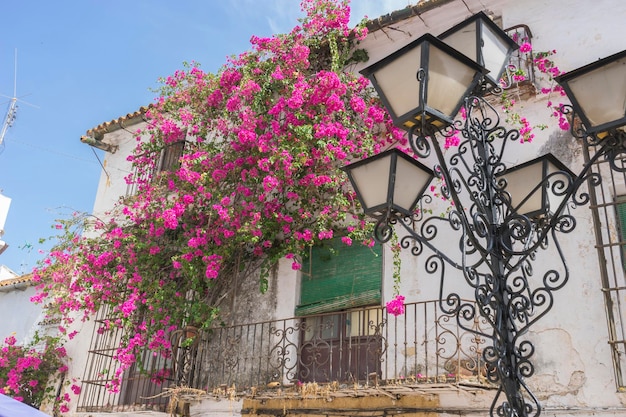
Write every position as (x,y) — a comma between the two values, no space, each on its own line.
(356,349)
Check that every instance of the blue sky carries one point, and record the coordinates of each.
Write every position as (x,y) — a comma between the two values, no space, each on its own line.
(84,62)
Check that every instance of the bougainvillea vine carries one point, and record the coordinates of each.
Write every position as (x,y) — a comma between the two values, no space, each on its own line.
(258,181)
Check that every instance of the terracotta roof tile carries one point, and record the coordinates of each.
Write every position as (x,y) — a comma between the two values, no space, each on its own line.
(422,6)
(18,280)
(115,124)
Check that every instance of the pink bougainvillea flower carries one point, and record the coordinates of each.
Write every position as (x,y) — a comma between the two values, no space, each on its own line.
(396,306)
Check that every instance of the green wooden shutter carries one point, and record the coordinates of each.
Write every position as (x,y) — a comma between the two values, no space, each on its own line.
(340,277)
(620,208)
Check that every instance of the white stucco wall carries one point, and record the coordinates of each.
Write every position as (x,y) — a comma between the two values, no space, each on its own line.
(18,316)
(112,184)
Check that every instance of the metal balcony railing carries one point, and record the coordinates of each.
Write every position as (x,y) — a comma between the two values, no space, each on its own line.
(361,347)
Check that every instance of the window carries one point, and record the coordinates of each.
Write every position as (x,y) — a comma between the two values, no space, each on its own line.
(337,277)
(139,389)
(340,344)
(170,156)
(344,346)
(167,160)
(608,208)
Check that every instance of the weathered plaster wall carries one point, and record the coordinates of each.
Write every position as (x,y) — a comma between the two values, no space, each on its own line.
(249,305)
(112,184)
(580,31)
(436,401)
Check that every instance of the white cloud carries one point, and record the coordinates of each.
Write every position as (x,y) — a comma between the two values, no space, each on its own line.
(375,8)
(282,15)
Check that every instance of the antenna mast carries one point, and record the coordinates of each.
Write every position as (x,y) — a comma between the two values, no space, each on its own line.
(12,111)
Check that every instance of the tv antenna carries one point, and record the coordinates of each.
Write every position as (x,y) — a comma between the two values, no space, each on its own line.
(11,114)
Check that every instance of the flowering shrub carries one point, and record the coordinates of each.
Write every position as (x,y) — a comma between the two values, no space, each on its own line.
(259,181)
(25,371)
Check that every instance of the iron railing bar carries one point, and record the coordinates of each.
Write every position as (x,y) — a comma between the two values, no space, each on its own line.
(425,340)
(406,345)
(612,289)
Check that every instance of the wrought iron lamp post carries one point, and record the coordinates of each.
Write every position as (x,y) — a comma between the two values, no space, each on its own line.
(502,218)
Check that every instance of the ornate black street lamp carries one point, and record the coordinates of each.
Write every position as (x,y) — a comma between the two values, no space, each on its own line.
(500,219)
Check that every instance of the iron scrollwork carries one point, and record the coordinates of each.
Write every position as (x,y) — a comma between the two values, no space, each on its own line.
(496,244)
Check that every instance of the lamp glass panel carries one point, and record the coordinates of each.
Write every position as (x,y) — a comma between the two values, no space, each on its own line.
(554,200)
(371,181)
(448,81)
(464,41)
(398,81)
(520,183)
(601,93)
(410,181)
(495,52)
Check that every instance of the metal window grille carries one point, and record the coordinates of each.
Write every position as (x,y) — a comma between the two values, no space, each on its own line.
(166,160)
(138,389)
(608,207)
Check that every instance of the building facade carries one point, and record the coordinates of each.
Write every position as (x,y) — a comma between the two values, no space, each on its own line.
(320,341)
